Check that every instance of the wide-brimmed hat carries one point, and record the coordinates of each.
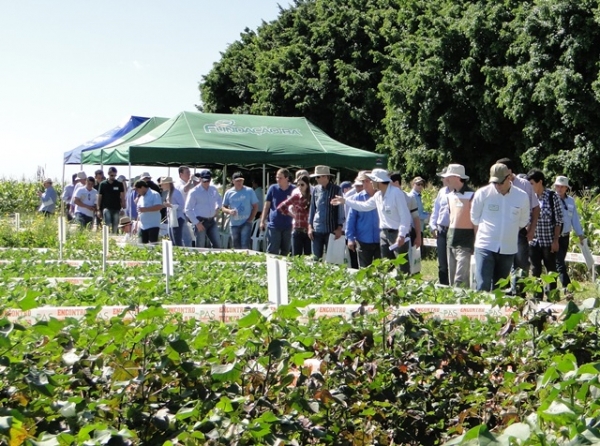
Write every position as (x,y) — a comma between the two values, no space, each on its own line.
(357,183)
(166,180)
(321,171)
(441,174)
(562,180)
(455,170)
(145,175)
(498,173)
(48,180)
(379,176)
(124,221)
(81,175)
(418,180)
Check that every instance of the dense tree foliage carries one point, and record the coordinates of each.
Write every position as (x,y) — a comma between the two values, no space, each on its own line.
(429,81)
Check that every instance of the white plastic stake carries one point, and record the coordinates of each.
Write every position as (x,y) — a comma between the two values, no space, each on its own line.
(277,281)
(167,252)
(62,236)
(104,246)
(18,221)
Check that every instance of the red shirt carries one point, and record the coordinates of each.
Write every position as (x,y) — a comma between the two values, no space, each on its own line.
(299,210)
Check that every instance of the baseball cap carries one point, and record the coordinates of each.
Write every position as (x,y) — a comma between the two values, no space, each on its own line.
(237,176)
(498,173)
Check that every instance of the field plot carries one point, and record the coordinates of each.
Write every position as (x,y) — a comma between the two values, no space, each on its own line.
(124,362)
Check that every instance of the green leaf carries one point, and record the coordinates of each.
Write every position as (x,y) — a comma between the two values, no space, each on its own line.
(29,301)
(225,372)
(180,346)
(299,358)
(225,404)
(275,348)
(250,319)
(186,412)
(288,312)
(479,435)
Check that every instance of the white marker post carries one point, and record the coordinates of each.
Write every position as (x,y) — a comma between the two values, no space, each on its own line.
(104,246)
(167,252)
(17,221)
(277,281)
(62,236)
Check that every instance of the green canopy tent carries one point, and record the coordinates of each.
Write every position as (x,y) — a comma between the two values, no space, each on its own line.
(205,139)
(116,153)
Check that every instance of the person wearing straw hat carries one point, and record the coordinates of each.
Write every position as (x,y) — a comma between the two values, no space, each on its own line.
(499,210)
(127,228)
(438,223)
(461,231)
(174,200)
(324,218)
(48,198)
(571,222)
(392,210)
(241,204)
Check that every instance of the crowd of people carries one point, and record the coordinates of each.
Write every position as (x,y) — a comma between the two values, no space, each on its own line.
(512,226)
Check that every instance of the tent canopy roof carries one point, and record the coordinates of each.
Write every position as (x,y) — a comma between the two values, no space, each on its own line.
(207,139)
(74,156)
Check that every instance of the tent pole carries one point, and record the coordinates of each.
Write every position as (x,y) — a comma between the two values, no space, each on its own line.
(129,210)
(264,178)
(223,193)
(62,202)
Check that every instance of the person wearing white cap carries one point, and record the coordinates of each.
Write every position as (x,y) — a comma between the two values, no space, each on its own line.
(571,221)
(499,210)
(48,198)
(80,181)
(394,216)
(461,232)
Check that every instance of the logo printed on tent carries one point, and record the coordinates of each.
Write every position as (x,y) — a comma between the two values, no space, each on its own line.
(226,126)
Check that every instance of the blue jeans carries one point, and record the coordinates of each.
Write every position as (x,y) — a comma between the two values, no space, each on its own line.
(279,241)
(319,243)
(490,268)
(187,234)
(84,220)
(211,230)
(176,233)
(561,266)
(111,219)
(542,254)
(521,260)
(241,235)
(300,243)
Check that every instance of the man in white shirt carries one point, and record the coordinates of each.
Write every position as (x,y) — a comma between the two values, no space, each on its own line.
(521,261)
(498,211)
(84,202)
(201,207)
(185,184)
(394,216)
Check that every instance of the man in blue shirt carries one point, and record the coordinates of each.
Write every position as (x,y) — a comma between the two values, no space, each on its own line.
(324,218)
(149,206)
(241,204)
(201,208)
(279,234)
(362,227)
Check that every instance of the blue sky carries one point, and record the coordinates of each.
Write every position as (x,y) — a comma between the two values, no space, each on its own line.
(71,70)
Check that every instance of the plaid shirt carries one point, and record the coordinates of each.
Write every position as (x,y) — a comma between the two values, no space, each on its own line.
(300,208)
(544,231)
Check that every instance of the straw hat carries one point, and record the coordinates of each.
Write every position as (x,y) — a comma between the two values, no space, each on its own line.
(321,171)
(166,180)
(124,221)
(455,170)
(561,180)
(379,176)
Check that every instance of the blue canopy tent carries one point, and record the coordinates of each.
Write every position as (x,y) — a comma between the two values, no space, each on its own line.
(74,156)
